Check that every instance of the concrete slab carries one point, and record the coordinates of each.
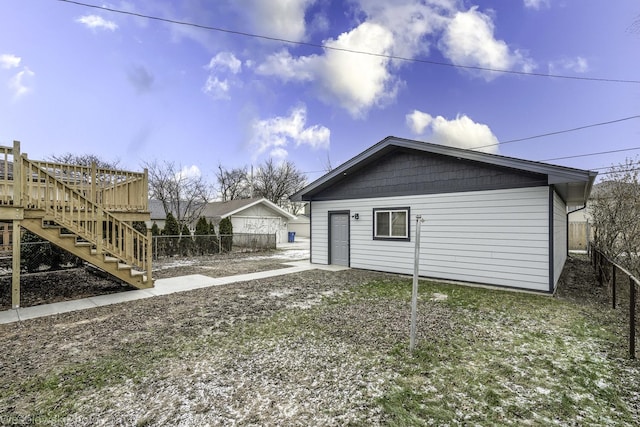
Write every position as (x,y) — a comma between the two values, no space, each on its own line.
(182,284)
(326,267)
(55,308)
(9,316)
(120,297)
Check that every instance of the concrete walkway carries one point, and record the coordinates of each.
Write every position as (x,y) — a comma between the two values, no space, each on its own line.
(162,287)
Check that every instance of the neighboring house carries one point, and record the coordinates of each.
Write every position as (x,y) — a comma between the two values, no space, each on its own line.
(158,215)
(301,225)
(488,219)
(251,216)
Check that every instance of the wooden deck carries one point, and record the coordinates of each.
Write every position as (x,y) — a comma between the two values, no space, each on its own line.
(88,211)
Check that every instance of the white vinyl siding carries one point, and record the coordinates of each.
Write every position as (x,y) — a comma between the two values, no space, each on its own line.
(559,237)
(498,237)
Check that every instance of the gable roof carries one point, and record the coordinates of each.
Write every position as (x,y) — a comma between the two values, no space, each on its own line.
(574,185)
(156,209)
(232,207)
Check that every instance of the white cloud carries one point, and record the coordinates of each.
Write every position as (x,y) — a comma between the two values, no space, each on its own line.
(278,154)
(222,67)
(8,61)
(461,132)
(536,4)
(284,66)
(187,172)
(410,21)
(97,22)
(403,28)
(356,82)
(418,121)
(217,89)
(274,135)
(283,19)
(359,81)
(469,40)
(225,61)
(576,65)
(19,83)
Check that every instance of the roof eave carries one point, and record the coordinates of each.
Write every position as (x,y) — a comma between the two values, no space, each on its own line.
(556,174)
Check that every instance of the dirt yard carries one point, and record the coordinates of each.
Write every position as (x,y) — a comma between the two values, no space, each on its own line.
(84,282)
(322,348)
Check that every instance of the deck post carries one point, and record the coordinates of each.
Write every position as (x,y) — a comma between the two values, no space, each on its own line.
(15,238)
(15,266)
(94,174)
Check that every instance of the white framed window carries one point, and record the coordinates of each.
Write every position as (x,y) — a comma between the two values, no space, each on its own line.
(391,224)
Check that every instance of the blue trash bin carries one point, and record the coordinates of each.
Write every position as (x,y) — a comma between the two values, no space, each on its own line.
(292,236)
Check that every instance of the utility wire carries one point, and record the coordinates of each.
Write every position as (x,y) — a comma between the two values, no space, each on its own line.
(340,49)
(558,132)
(591,154)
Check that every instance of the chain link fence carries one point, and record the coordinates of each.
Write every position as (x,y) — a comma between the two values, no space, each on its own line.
(39,256)
(186,246)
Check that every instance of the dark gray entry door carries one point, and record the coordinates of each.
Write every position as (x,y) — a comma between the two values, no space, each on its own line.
(339,238)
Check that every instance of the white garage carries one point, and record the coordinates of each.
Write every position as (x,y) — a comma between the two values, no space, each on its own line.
(251,216)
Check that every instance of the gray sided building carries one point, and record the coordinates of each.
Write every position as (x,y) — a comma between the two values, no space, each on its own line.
(488,219)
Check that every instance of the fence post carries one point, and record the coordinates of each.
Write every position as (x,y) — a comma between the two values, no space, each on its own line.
(613,284)
(599,268)
(632,318)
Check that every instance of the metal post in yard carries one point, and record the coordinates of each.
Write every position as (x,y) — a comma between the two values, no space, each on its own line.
(414,295)
(632,318)
(149,259)
(613,284)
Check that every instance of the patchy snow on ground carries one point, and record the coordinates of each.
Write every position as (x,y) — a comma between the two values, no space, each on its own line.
(289,254)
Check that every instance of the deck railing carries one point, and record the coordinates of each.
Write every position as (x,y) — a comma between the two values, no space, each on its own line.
(114,190)
(69,208)
(80,199)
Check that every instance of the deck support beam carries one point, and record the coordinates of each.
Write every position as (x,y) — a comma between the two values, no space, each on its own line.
(15,266)
(15,240)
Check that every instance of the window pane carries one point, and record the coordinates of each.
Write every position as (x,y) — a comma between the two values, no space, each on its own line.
(382,224)
(399,224)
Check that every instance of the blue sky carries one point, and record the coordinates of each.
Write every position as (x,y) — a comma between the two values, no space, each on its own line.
(89,81)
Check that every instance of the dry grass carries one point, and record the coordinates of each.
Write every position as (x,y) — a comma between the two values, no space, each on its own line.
(320,348)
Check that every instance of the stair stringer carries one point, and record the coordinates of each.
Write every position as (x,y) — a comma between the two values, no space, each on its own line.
(87,252)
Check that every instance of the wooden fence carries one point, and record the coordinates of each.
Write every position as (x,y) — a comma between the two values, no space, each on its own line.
(607,272)
(579,235)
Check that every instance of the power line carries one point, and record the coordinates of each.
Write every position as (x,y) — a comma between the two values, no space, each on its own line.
(341,49)
(558,132)
(591,154)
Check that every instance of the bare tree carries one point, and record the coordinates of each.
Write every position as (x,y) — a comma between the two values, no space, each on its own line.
(184,195)
(615,209)
(234,184)
(276,182)
(326,164)
(84,160)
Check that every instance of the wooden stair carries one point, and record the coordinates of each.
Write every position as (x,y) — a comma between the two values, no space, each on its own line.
(87,251)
